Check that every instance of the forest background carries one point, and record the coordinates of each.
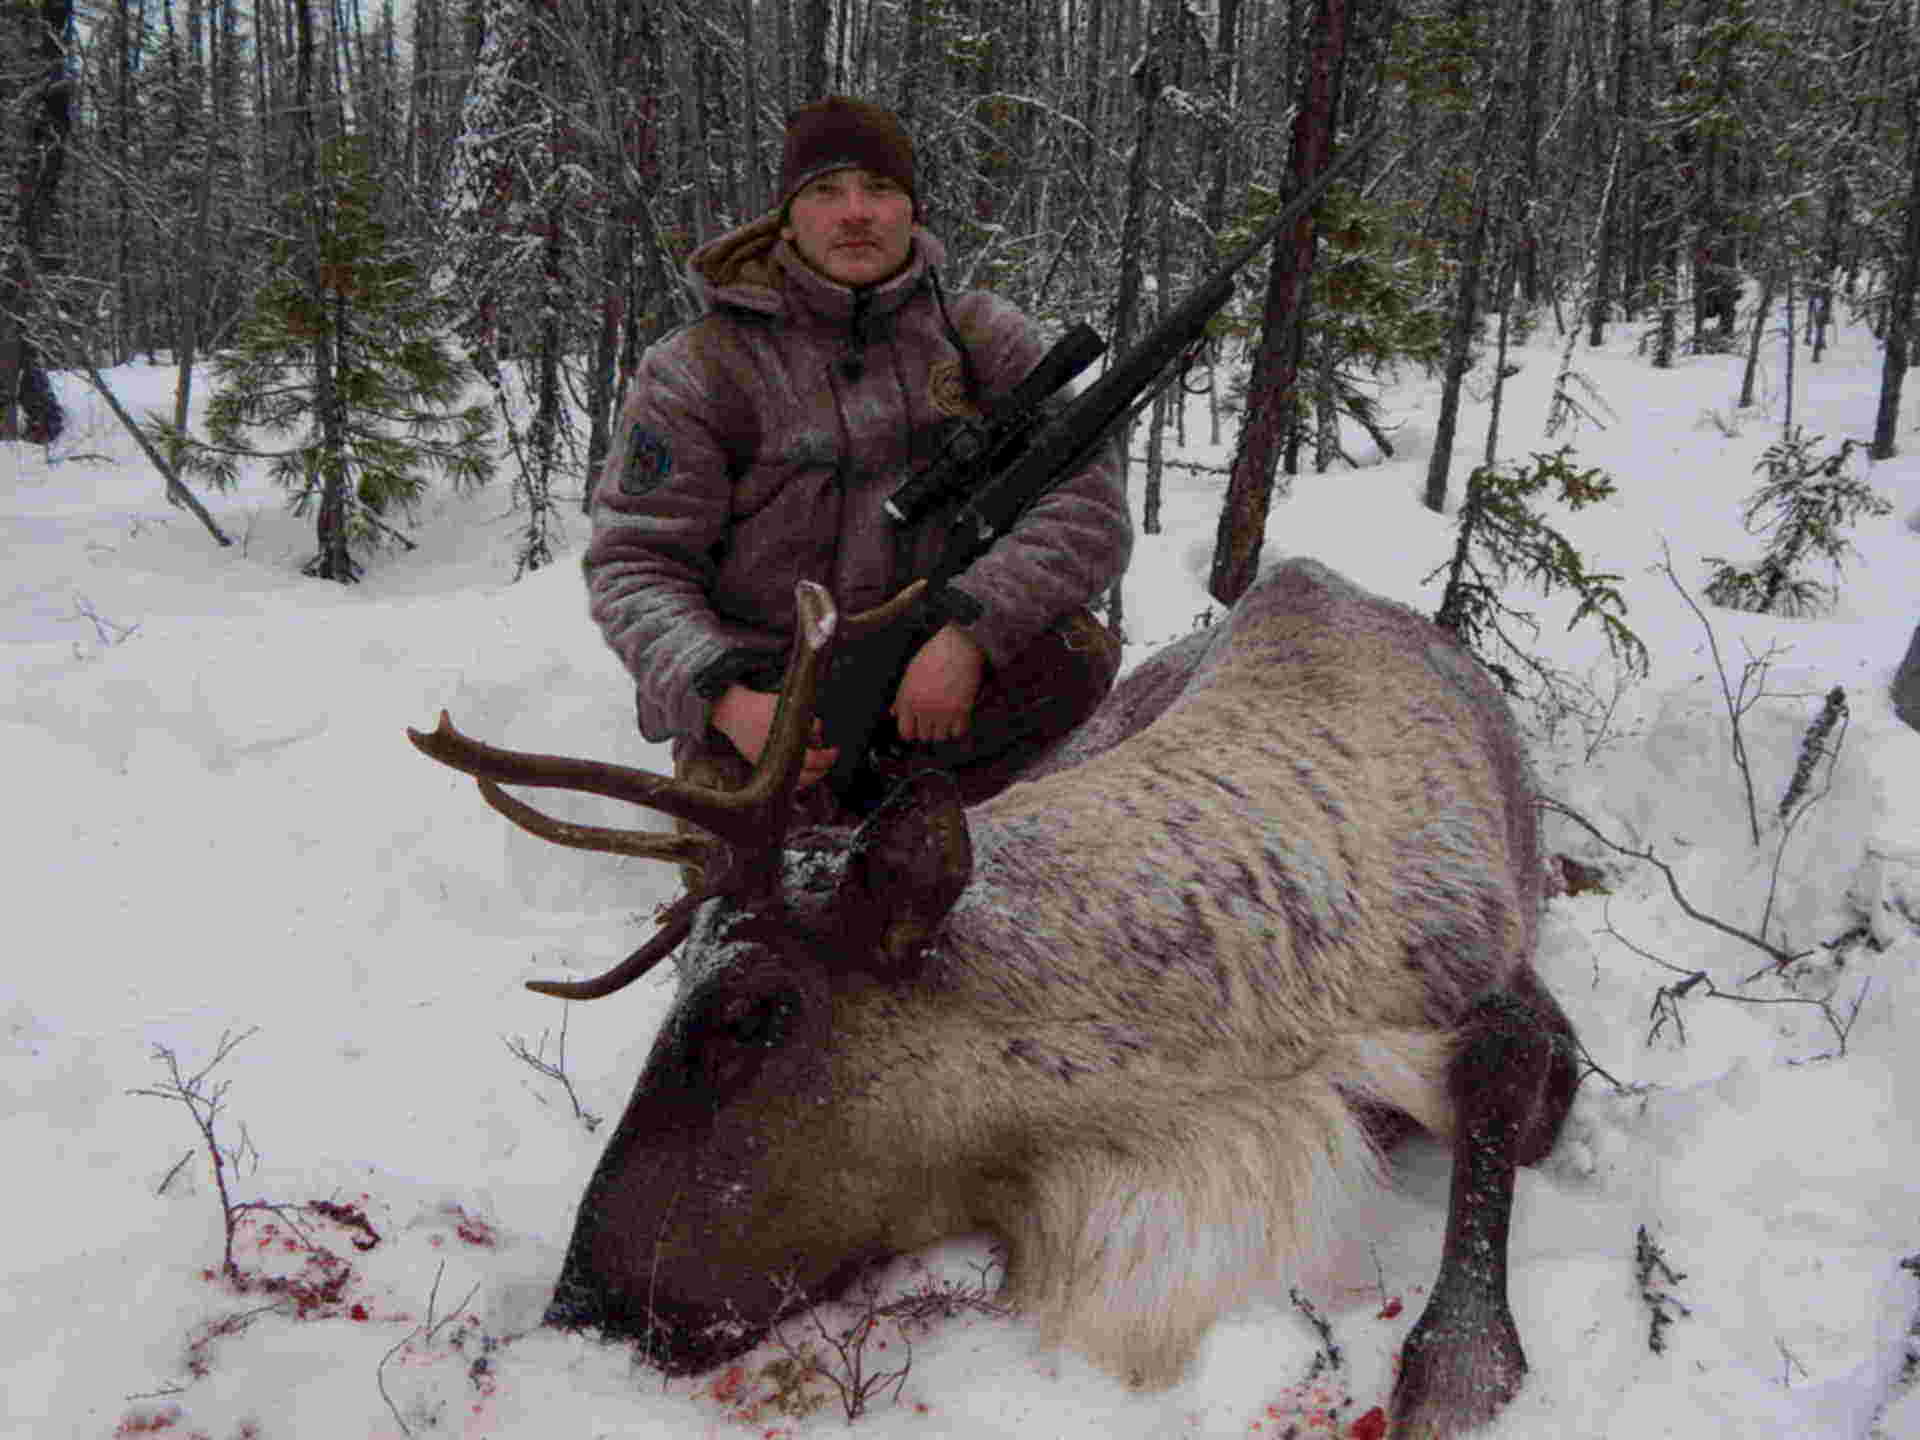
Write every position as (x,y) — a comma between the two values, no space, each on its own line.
(346,186)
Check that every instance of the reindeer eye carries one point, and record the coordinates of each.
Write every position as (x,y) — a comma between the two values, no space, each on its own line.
(763,1021)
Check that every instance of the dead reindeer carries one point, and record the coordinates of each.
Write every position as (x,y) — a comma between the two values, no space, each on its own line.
(1148,1016)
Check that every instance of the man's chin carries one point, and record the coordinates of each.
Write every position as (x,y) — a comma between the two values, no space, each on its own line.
(860,266)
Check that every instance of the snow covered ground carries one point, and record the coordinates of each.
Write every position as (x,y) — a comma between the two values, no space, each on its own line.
(217,830)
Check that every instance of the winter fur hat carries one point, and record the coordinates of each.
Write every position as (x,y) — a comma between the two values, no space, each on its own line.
(838,134)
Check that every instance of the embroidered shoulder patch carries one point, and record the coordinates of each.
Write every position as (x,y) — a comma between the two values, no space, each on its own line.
(947,390)
(649,461)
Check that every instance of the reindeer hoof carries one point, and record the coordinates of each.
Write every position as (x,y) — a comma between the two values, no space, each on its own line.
(1458,1369)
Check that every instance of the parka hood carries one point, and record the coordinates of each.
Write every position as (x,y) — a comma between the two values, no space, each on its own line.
(753,268)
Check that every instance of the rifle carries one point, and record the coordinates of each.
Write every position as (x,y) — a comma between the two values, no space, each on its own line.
(1001,463)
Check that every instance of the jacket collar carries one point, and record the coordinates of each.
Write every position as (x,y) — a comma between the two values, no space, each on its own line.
(752,268)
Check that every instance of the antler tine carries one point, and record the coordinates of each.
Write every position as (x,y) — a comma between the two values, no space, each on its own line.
(752,818)
(674,926)
(764,804)
(885,613)
(680,849)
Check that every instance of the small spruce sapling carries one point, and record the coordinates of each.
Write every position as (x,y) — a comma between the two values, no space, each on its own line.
(340,379)
(1501,537)
(1805,505)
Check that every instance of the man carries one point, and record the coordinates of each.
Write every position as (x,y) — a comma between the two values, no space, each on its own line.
(757,445)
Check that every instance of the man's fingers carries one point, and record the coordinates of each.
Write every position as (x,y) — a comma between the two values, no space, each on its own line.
(918,726)
(815,766)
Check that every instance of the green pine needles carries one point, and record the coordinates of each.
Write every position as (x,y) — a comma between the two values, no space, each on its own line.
(1501,538)
(345,354)
(1805,505)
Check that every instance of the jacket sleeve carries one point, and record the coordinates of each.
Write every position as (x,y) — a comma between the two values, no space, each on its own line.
(659,511)
(1071,544)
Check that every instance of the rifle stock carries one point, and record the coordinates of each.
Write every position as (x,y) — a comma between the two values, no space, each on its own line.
(1011,458)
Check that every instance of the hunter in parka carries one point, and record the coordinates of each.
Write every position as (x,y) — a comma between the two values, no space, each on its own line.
(755,448)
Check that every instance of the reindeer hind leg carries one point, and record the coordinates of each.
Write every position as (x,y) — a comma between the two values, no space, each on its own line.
(1510,1085)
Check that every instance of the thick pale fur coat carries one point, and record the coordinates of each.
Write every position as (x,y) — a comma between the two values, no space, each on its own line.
(1180,960)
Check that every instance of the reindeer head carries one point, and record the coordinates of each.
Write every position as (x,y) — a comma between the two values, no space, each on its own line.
(724,1197)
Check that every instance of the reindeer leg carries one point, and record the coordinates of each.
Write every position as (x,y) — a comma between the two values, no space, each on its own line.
(1511,1085)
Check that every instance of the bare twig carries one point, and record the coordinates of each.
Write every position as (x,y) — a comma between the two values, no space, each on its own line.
(556,1069)
(107,632)
(1792,1364)
(1650,1263)
(848,1370)
(1329,1357)
(425,1333)
(850,1376)
(1779,956)
(173,1173)
(1795,804)
(204,1104)
(1665,1008)
(1738,701)
(1593,1067)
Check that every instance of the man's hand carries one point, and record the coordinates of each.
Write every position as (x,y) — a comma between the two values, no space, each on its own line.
(746,716)
(935,700)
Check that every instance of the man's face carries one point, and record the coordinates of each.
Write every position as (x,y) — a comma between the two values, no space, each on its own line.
(853,226)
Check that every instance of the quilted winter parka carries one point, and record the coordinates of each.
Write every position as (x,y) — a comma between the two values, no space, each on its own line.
(755,449)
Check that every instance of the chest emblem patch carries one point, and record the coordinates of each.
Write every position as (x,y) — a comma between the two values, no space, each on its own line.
(649,461)
(947,390)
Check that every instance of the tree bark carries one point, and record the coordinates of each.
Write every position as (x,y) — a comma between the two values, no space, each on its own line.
(1243,515)
(1466,303)
(1893,371)
(29,409)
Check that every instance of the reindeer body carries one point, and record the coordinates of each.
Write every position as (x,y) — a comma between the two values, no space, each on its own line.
(1186,957)
(1132,1015)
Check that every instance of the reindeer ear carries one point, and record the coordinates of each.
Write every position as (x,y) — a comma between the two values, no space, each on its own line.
(909,864)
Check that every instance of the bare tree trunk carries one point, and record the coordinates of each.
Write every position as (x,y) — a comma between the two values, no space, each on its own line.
(543,439)
(187,345)
(1899,340)
(814,22)
(1750,372)
(332,559)
(1243,515)
(29,409)
(1133,239)
(1466,304)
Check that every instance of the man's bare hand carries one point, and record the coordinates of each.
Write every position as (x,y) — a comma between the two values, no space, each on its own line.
(935,700)
(746,717)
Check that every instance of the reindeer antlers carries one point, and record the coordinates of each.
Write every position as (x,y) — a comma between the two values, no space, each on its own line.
(751,821)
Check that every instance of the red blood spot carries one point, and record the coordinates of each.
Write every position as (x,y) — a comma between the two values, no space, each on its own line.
(1370,1426)
(728,1387)
(151,1423)
(475,1232)
(1392,1308)
(359,1312)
